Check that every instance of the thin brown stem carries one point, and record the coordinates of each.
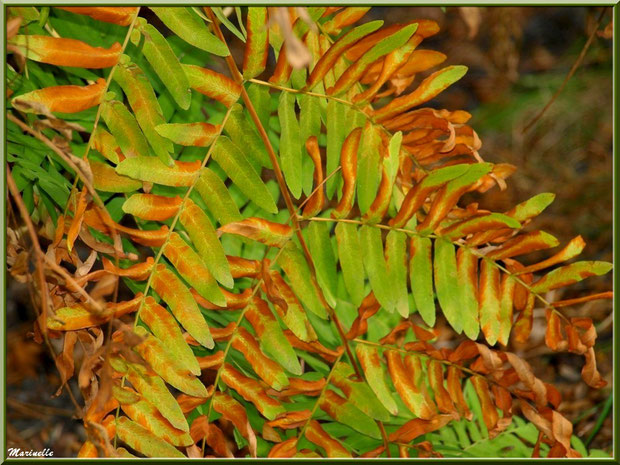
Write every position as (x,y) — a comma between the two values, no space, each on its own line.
(386,441)
(282,184)
(38,253)
(40,259)
(316,404)
(570,74)
(462,244)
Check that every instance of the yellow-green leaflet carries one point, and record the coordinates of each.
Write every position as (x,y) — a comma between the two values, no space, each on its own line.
(189,134)
(149,417)
(467,278)
(309,125)
(166,365)
(272,339)
(191,29)
(105,144)
(421,277)
(570,274)
(349,248)
(180,300)
(507,291)
(241,129)
(125,395)
(330,57)
(531,207)
(449,195)
(489,300)
(213,84)
(368,167)
(238,168)
(215,194)
(165,63)
(226,22)
(193,269)
(429,88)
(446,283)
(166,329)
(124,128)
(266,368)
(151,169)
(124,453)
(358,392)
(392,162)
(257,44)
(296,268)
(205,239)
(373,370)
(290,143)
(153,389)
(375,266)
(143,102)
(324,259)
(139,438)
(396,253)
(295,317)
(105,179)
(340,409)
(252,391)
(336,113)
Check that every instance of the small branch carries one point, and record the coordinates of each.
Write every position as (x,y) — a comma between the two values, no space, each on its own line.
(576,65)
(41,259)
(38,253)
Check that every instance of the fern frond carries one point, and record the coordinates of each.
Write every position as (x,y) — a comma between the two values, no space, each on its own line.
(286,241)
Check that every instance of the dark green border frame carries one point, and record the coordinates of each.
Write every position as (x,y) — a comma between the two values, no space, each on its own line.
(616,324)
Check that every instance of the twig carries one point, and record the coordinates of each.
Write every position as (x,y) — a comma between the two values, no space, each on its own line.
(23,211)
(40,258)
(576,65)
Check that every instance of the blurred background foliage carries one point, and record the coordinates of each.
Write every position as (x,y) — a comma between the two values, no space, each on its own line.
(517,59)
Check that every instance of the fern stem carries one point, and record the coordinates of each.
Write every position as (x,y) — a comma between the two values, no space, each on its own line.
(232,336)
(170,231)
(353,105)
(386,442)
(282,184)
(178,214)
(105,90)
(309,93)
(316,404)
(473,250)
